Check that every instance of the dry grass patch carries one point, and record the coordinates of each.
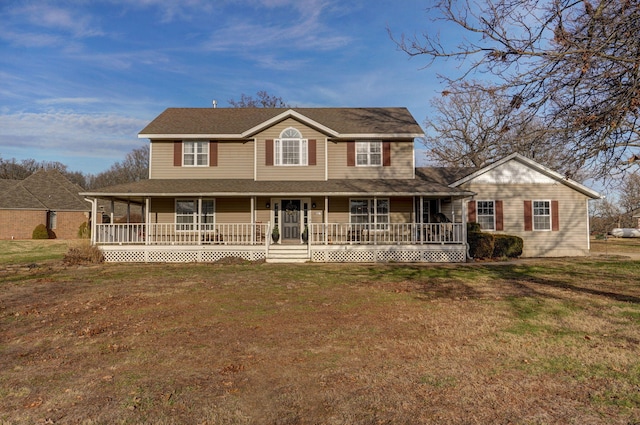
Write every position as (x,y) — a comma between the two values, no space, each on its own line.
(554,341)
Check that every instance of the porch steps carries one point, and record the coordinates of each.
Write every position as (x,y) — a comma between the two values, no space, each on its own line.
(282,253)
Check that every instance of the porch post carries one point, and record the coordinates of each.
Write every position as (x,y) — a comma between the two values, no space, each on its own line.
(147,219)
(253,220)
(93,219)
(375,220)
(325,220)
(464,225)
(196,221)
(113,207)
(421,230)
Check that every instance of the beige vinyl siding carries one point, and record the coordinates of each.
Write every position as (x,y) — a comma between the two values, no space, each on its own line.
(274,173)
(451,209)
(235,161)
(162,210)
(233,210)
(401,210)
(338,210)
(572,237)
(401,163)
(263,214)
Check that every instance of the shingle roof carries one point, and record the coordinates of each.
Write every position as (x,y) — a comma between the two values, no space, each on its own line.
(228,187)
(424,183)
(43,190)
(444,175)
(236,121)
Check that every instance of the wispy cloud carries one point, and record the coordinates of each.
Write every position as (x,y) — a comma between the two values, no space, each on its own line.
(68,101)
(68,132)
(29,39)
(174,10)
(302,27)
(71,21)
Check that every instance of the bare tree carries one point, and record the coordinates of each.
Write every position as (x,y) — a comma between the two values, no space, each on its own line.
(573,64)
(263,100)
(133,168)
(475,129)
(630,193)
(12,169)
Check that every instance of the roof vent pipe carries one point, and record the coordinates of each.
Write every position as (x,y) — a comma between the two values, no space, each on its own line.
(215,103)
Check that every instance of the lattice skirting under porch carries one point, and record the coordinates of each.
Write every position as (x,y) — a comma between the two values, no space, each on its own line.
(178,254)
(373,254)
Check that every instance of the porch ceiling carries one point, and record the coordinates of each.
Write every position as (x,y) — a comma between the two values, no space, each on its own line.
(233,187)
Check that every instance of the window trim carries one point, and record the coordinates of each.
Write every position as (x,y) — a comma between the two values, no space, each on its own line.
(204,154)
(493,215)
(194,225)
(534,215)
(372,212)
(369,153)
(302,146)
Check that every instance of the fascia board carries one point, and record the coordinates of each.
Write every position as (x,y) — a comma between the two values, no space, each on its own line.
(290,113)
(272,194)
(380,135)
(536,166)
(189,136)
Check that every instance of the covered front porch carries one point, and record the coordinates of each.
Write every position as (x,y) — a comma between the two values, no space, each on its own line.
(358,225)
(321,242)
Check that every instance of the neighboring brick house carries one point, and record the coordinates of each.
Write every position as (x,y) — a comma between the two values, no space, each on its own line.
(45,197)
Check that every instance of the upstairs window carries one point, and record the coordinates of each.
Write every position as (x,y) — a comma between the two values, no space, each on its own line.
(369,153)
(290,148)
(195,154)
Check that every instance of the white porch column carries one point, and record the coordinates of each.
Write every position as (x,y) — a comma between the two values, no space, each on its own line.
(94,214)
(253,219)
(147,219)
(325,220)
(375,220)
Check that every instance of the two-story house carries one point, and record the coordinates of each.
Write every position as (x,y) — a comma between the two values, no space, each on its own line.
(319,184)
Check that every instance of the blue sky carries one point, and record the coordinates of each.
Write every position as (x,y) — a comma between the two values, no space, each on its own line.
(79,79)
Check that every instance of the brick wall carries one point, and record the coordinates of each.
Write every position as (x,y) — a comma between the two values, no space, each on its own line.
(19,224)
(68,224)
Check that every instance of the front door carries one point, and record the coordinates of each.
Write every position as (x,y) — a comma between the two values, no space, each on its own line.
(290,220)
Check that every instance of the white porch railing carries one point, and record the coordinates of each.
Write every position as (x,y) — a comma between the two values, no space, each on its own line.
(260,234)
(385,234)
(181,234)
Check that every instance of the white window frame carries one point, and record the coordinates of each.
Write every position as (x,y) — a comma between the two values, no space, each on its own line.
(546,215)
(369,153)
(290,138)
(379,220)
(197,216)
(197,151)
(482,212)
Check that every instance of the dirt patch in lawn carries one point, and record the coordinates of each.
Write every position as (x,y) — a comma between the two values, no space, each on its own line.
(554,341)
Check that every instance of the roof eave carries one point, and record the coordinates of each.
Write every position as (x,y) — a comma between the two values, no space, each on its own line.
(125,195)
(380,135)
(189,136)
(289,113)
(536,166)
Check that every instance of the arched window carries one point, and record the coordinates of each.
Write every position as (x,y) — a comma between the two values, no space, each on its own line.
(290,148)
